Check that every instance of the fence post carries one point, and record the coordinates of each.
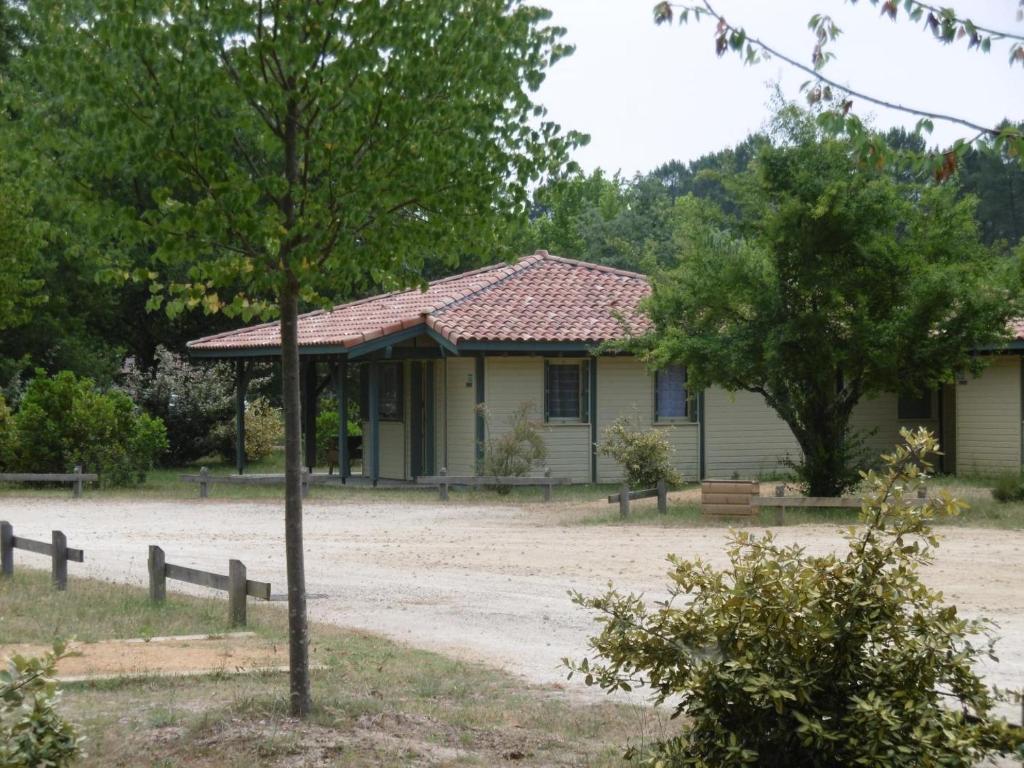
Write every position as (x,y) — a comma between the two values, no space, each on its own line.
(624,501)
(780,512)
(204,483)
(236,592)
(76,488)
(59,560)
(442,487)
(547,485)
(157,574)
(662,497)
(6,549)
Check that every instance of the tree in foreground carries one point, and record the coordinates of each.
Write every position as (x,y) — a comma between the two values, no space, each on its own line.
(297,150)
(786,659)
(833,283)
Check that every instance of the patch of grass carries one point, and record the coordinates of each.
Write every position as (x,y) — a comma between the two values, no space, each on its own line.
(31,611)
(165,484)
(377,703)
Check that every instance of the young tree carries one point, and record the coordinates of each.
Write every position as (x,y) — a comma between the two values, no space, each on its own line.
(301,148)
(834,283)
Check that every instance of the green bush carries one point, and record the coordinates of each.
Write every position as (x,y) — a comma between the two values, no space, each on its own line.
(264,431)
(8,437)
(790,659)
(644,455)
(516,451)
(327,426)
(1009,488)
(64,421)
(32,732)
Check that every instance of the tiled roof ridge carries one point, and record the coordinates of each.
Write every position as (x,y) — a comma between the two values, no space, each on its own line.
(366,299)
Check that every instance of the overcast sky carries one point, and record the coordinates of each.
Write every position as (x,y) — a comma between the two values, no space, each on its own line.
(649,94)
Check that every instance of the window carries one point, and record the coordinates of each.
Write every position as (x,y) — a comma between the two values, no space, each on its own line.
(389,386)
(566,390)
(390,379)
(670,396)
(914,406)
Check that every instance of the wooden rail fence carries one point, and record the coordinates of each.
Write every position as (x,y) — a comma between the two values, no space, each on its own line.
(235,583)
(76,478)
(624,496)
(57,550)
(444,481)
(205,480)
(780,502)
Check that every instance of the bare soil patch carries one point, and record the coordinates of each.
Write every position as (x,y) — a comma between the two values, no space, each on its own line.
(139,658)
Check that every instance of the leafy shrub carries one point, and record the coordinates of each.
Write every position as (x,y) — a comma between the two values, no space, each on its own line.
(64,420)
(32,732)
(789,659)
(327,425)
(8,437)
(1009,488)
(515,452)
(264,430)
(190,399)
(644,455)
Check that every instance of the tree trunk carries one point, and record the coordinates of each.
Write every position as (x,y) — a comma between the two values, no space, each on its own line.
(826,458)
(298,631)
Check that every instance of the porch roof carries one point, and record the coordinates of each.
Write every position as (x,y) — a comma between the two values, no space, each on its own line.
(540,300)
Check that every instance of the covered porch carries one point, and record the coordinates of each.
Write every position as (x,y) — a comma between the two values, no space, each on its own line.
(394,383)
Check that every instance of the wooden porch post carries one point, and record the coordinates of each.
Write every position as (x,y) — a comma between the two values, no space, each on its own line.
(241,384)
(309,400)
(341,396)
(373,369)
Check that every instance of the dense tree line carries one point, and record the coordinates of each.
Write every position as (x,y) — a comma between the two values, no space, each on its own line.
(72,297)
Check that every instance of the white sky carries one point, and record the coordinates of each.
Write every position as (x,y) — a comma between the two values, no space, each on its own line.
(649,94)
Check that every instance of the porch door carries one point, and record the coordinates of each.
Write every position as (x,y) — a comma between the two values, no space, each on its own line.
(421,420)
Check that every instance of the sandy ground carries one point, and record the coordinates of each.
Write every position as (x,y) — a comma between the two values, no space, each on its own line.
(237,653)
(486,584)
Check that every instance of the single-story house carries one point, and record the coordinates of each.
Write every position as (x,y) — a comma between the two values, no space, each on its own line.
(526,332)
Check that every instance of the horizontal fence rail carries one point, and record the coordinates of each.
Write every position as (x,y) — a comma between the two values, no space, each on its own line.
(625,496)
(780,502)
(76,478)
(234,583)
(444,481)
(205,480)
(57,550)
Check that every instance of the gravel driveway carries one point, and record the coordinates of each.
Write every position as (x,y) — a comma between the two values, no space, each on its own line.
(487,584)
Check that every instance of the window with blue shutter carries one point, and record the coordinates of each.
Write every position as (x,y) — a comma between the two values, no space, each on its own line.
(671,400)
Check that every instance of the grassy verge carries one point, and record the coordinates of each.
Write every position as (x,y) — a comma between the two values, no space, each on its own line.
(983,512)
(165,484)
(377,703)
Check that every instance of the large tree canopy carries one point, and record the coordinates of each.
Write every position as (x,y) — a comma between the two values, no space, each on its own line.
(267,153)
(833,283)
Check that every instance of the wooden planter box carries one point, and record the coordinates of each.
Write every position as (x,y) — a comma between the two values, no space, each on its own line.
(728,498)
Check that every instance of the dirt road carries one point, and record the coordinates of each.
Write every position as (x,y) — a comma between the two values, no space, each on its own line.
(482,583)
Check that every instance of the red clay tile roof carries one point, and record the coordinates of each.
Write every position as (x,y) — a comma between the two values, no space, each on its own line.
(539,298)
